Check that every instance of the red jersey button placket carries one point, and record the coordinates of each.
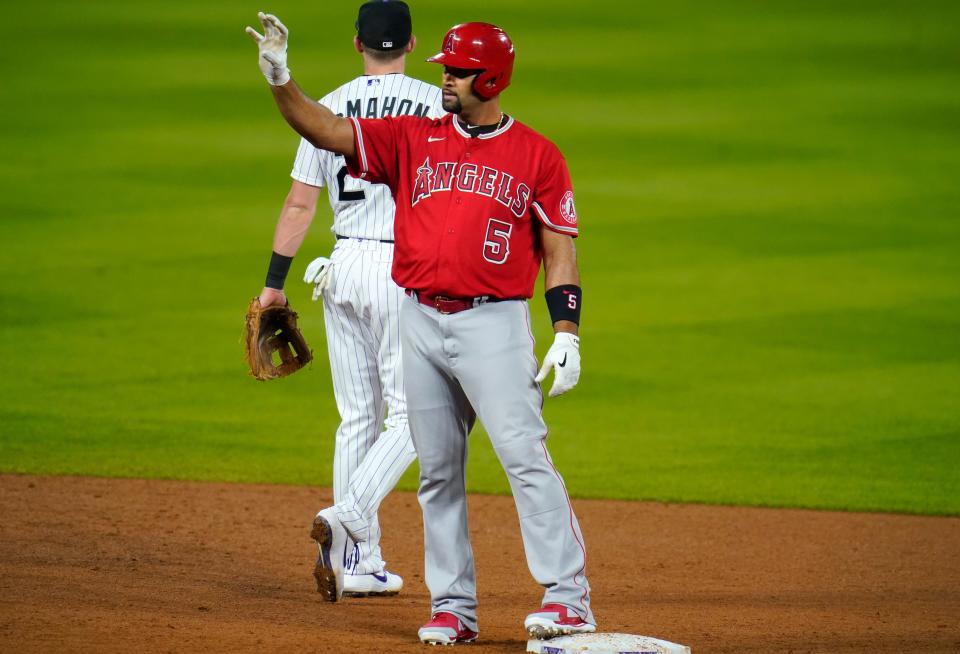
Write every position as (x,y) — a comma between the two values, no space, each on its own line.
(446,255)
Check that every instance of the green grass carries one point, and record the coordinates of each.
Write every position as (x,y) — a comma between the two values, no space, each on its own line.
(771,244)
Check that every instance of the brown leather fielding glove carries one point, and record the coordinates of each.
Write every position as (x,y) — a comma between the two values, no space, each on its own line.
(274,330)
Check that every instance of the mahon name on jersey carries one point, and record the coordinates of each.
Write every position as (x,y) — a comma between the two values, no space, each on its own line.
(470,178)
(382,107)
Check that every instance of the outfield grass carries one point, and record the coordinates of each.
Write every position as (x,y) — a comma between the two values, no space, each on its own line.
(771,249)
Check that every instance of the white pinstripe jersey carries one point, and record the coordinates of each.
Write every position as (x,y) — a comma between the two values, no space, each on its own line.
(362,209)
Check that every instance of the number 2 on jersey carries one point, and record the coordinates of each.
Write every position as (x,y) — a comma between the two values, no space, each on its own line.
(345,195)
(496,248)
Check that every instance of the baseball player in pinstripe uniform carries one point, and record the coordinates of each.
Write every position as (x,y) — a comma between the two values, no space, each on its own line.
(361,302)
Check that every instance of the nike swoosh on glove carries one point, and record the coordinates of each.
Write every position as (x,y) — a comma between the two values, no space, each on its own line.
(273,49)
(318,274)
(564,357)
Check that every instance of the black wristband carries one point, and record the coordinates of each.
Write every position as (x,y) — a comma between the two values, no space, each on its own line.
(564,302)
(277,272)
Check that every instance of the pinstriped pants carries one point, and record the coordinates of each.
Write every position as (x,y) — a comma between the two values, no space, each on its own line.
(373,446)
(456,367)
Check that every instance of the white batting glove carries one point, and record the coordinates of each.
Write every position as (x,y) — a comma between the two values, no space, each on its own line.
(273,49)
(318,274)
(564,357)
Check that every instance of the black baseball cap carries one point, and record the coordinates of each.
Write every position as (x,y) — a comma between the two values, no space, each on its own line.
(384,24)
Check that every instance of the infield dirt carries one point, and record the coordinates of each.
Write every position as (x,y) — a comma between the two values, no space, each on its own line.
(99,565)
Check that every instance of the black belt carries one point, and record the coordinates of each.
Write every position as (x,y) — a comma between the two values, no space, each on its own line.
(357,238)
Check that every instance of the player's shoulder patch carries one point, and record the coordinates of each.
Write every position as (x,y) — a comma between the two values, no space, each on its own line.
(568,209)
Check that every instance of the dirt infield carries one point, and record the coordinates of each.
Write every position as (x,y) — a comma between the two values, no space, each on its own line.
(96,565)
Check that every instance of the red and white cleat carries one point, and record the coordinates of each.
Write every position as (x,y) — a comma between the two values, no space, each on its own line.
(555,620)
(446,629)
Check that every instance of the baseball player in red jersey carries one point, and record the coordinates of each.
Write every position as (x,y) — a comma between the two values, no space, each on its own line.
(481,201)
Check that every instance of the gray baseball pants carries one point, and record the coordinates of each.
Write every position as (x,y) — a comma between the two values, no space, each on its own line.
(481,363)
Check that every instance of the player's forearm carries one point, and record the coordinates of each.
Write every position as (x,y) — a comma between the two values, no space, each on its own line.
(560,270)
(291,229)
(314,122)
(562,280)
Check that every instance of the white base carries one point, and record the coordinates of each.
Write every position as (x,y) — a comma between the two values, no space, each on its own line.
(605,644)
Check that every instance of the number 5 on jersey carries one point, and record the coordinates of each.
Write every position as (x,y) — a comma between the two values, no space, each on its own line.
(496,248)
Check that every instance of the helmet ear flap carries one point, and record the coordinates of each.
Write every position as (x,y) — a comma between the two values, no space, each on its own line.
(484,84)
(489,83)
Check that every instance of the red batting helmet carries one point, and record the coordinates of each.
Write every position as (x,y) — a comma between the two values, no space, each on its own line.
(479,46)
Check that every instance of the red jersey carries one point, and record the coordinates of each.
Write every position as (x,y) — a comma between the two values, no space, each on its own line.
(468,208)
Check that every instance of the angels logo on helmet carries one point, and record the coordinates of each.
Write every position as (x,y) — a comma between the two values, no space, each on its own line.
(448,45)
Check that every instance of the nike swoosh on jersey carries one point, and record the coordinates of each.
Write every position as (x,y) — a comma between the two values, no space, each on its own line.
(431,139)
(563,363)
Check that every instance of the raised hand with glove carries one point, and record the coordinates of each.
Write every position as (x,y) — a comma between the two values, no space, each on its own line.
(273,49)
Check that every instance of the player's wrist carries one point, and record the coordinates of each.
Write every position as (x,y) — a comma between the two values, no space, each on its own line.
(564,304)
(277,271)
(277,76)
